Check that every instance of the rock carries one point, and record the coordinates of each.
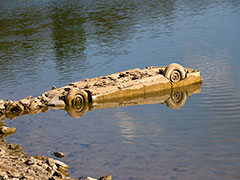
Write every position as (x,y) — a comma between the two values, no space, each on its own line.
(16,164)
(67,89)
(5,177)
(2,116)
(59,154)
(2,123)
(55,101)
(20,106)
(107,177)
(2,151)
(61,173)
(54,87)
(30,161)
(90,178)
(51,163)
(25,102)
(7,130)
(59,163)
(69,178)
(2,104)
(40,157)
(13,109)
(10,105)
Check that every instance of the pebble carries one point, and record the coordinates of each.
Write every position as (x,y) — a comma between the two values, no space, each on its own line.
(59,154)
(90,178)
(54,87)
(107,177)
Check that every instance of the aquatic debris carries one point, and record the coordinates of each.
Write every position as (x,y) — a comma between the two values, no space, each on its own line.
(79,97)
(174,72)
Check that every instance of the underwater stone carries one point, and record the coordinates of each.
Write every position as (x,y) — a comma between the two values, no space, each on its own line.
(59,154)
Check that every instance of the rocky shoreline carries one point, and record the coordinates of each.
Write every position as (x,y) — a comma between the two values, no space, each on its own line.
(15,164)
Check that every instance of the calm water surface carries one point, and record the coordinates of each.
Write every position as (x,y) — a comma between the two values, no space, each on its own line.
(48,42)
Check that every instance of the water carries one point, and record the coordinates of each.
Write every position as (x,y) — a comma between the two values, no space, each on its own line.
(45,43)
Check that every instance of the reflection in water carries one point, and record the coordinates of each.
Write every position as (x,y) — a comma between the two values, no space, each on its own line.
(176,99)
(131,129)
(64,36)
(69,38)
(173,98)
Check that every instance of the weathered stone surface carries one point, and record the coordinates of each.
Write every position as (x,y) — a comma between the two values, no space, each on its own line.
(20,106)
(25,102)
(2,104)
(60,163)
(54,87)
(51,163)
(7,130)
(90,178)
(15,164)
(56,101)
(30,161)
(2,115)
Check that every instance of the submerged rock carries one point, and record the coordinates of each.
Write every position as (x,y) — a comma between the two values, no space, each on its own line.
(59,154)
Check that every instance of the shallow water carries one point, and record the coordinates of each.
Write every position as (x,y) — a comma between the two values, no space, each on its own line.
(45,43)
